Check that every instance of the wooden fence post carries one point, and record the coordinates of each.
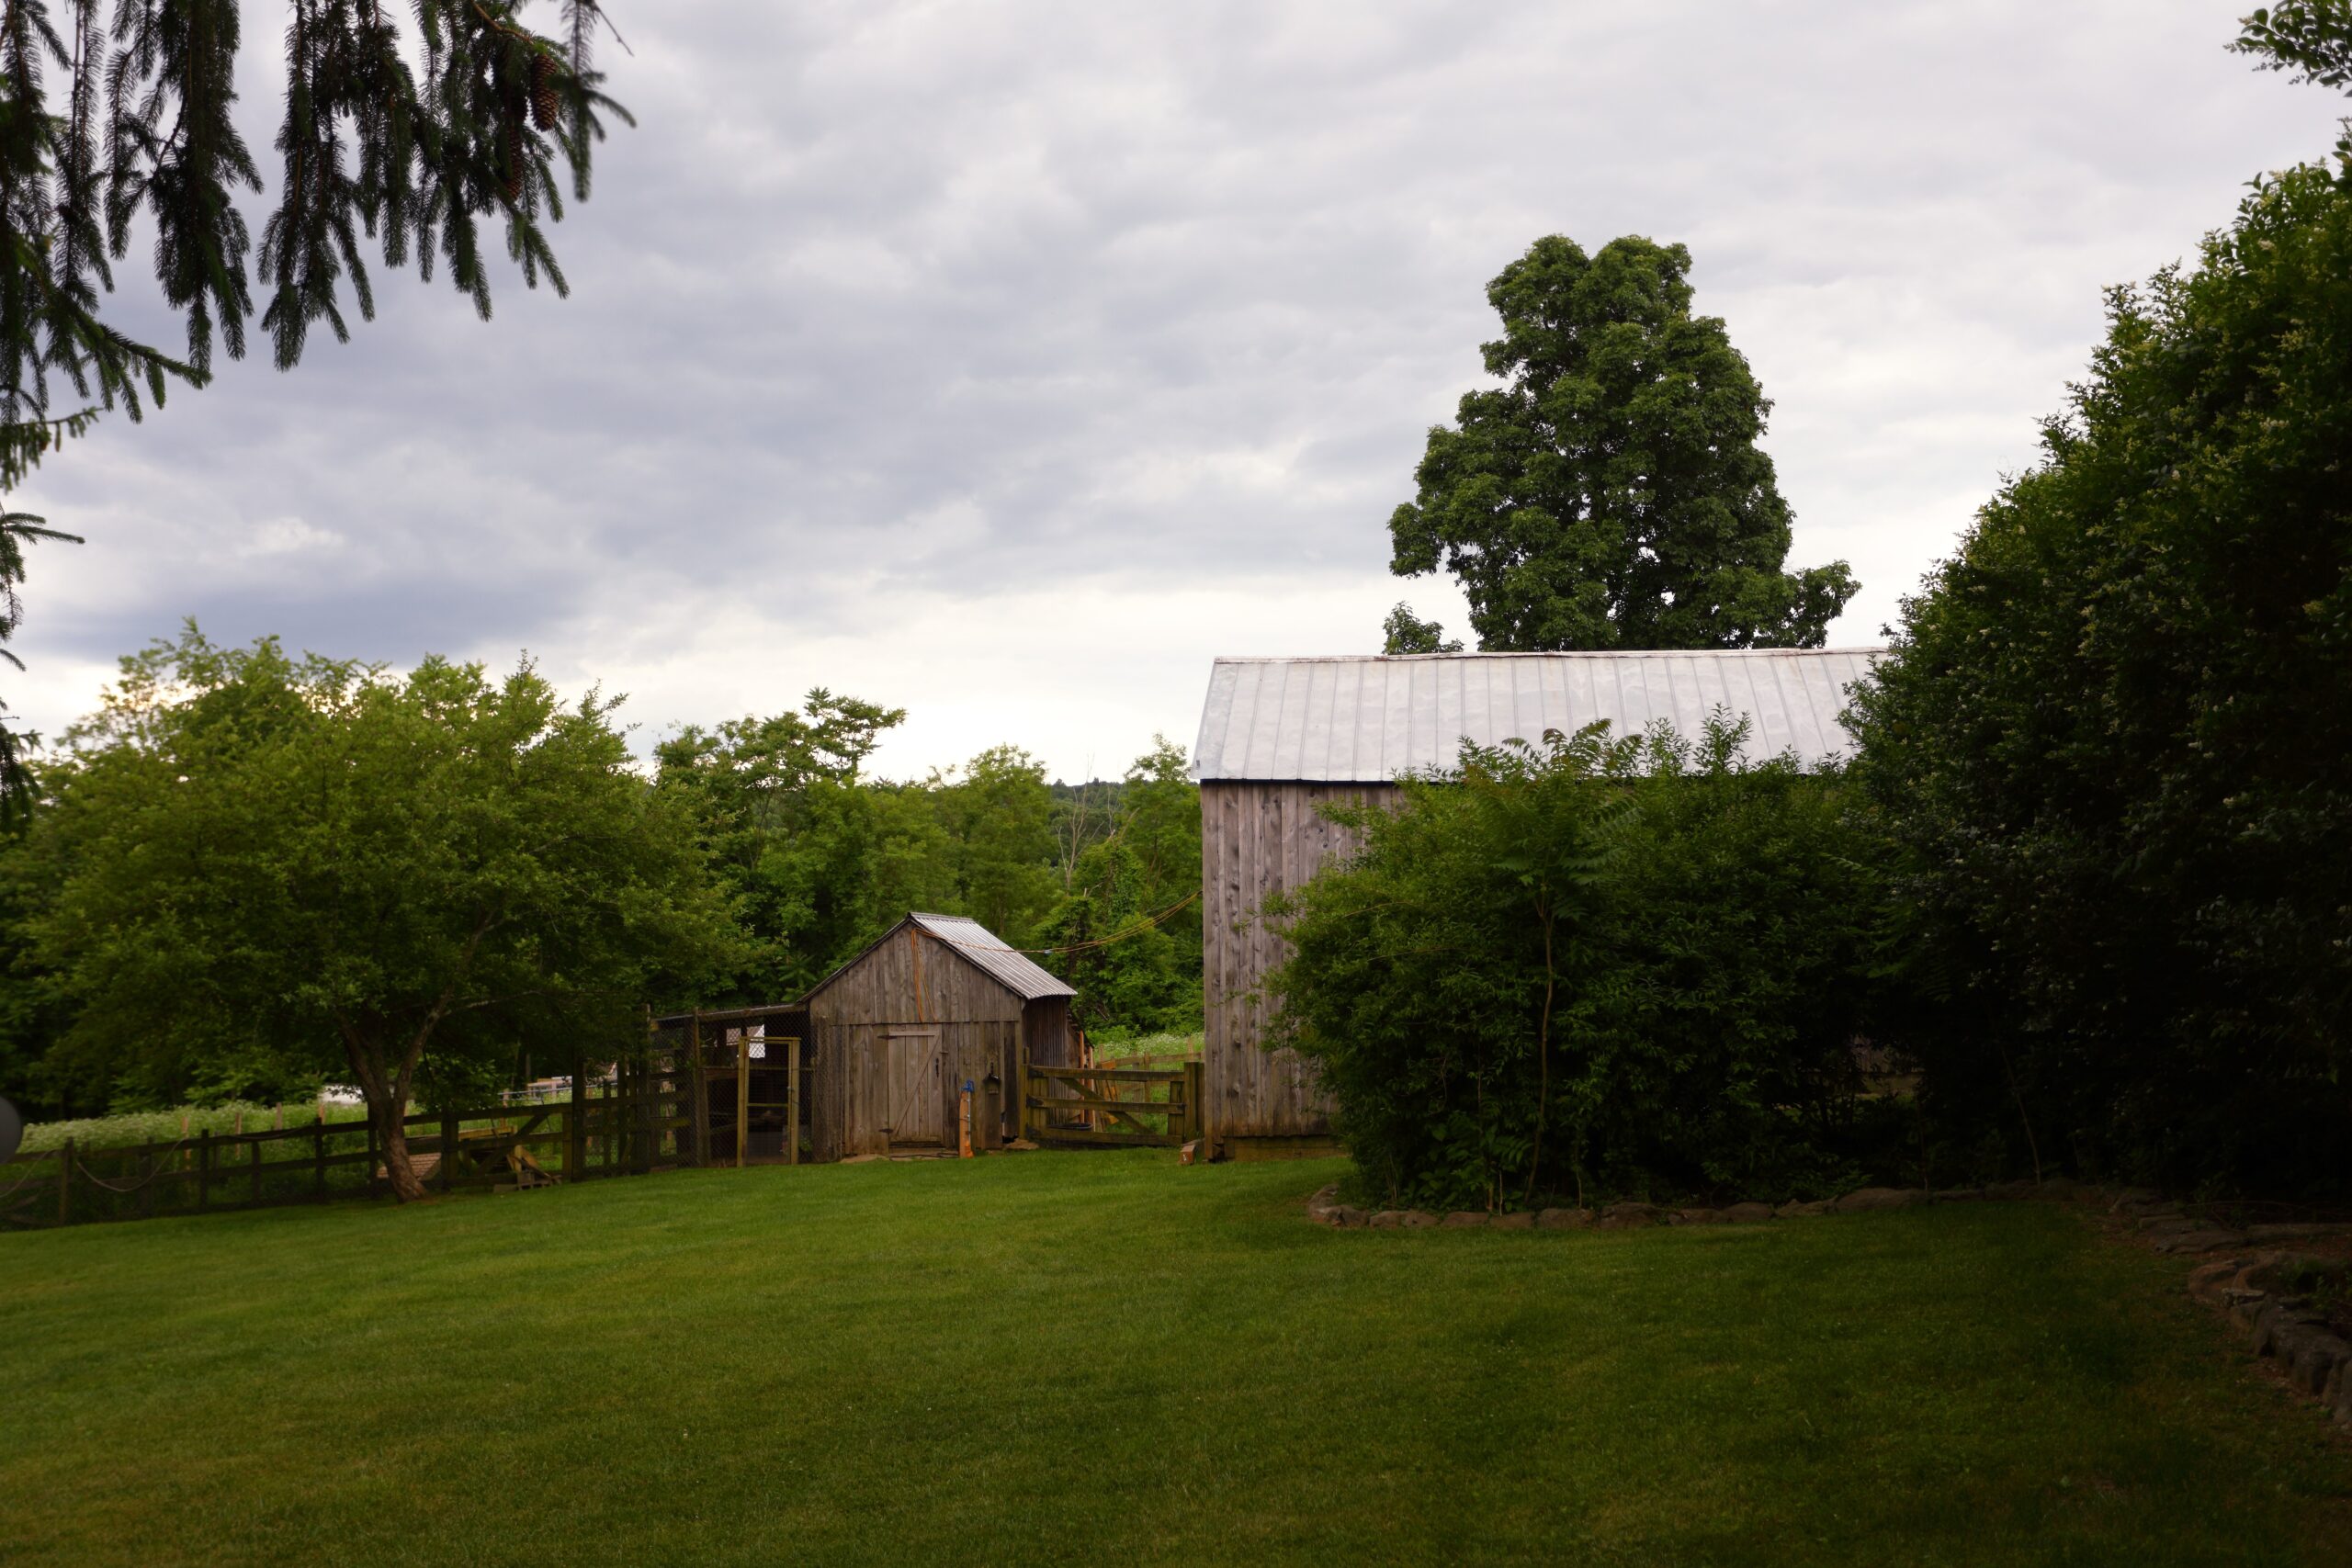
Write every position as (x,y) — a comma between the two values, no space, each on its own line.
(319,1159)
(65,1184)
(575,1125)
(203,1171)
(1195,1122)
(447,1169)
(649,1136)
(370,1167)
(701,1087)
(743,1092)
(792,1100)
(147,1169)
(255,1163)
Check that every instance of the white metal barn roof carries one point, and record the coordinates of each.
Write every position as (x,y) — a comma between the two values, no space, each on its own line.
(1368,719)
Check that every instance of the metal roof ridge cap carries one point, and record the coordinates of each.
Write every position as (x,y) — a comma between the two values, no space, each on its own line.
(1866,648)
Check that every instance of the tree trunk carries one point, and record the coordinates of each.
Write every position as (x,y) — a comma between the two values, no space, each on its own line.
(387,1097)
(391,1137)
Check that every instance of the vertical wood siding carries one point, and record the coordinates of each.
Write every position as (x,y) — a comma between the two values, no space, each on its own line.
(910,981)
(1258,839)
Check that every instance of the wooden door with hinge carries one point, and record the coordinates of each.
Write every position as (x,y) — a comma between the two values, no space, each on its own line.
(918,1085)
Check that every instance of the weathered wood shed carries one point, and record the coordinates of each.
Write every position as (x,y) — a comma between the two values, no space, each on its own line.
(896,1031)
(1281,737)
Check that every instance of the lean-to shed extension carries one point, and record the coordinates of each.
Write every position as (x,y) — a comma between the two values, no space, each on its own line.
(937,1002)
(1280,737)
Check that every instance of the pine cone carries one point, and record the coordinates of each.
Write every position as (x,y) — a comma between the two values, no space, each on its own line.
(543,99)
(512,146)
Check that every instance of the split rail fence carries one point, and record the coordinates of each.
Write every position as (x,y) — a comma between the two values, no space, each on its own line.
(635,1123)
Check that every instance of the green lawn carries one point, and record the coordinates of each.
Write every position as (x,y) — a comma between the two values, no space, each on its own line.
(1065,1357)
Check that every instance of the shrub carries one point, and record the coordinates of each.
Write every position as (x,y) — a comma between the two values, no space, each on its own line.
(1597,963)
(2110,741)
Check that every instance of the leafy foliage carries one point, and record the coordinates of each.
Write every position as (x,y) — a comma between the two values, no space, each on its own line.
(1404,632)
(2309,39)
(1618,962)
(2111,740)
(310,867)
(1612,494)
(821,860)
(1129,930)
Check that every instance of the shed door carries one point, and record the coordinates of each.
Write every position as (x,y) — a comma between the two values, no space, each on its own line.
(918,1087)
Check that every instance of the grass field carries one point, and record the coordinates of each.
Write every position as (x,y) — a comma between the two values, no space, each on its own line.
(1067,1357)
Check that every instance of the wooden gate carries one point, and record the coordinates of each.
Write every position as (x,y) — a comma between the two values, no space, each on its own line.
(1117,1106)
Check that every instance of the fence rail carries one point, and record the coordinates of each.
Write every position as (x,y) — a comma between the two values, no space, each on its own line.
(1110,1105)
(642,1124)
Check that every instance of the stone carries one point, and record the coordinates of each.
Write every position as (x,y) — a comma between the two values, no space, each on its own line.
(1747,1213)
(1345,1216)
(1698,1216)
(2343,1400)
(2010,1191)
(1630,1216)
(2315,1228)
(1464,1220)
(1877,1198)
(2312,1356)
(1521,1221)
(2198,1241)
(2057,1187)
(1564,1219)
(1420,1219)
(2133,1199)
(1800,1211)
(1387,1220)
(2210,1277)
(1959,1194)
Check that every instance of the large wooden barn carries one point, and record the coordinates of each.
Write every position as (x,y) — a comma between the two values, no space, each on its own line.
(1281,737)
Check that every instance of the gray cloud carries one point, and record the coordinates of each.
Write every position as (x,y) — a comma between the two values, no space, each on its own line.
(1007,361)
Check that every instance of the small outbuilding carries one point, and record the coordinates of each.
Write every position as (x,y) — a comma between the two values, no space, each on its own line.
(1282,737)
(937,1002)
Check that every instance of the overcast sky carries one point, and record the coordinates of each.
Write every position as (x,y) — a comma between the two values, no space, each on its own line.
(1007,362)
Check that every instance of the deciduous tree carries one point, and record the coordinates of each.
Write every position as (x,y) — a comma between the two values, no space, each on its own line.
(396,879)
(1610,493)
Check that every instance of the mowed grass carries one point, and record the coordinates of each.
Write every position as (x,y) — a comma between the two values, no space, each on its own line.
(1063,1357)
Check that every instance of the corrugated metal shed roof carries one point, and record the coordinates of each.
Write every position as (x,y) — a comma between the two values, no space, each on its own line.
(986,949)
(1366,720)
(1016,970)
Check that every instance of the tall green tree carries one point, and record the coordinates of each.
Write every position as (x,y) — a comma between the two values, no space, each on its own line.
(1128,929)
(999,817)
(412,142)
(407,881)
(819,859)
(2112,737)
(1610,493)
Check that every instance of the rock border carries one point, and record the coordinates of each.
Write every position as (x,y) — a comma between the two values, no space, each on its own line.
(2311,1356)
(1325,1209)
